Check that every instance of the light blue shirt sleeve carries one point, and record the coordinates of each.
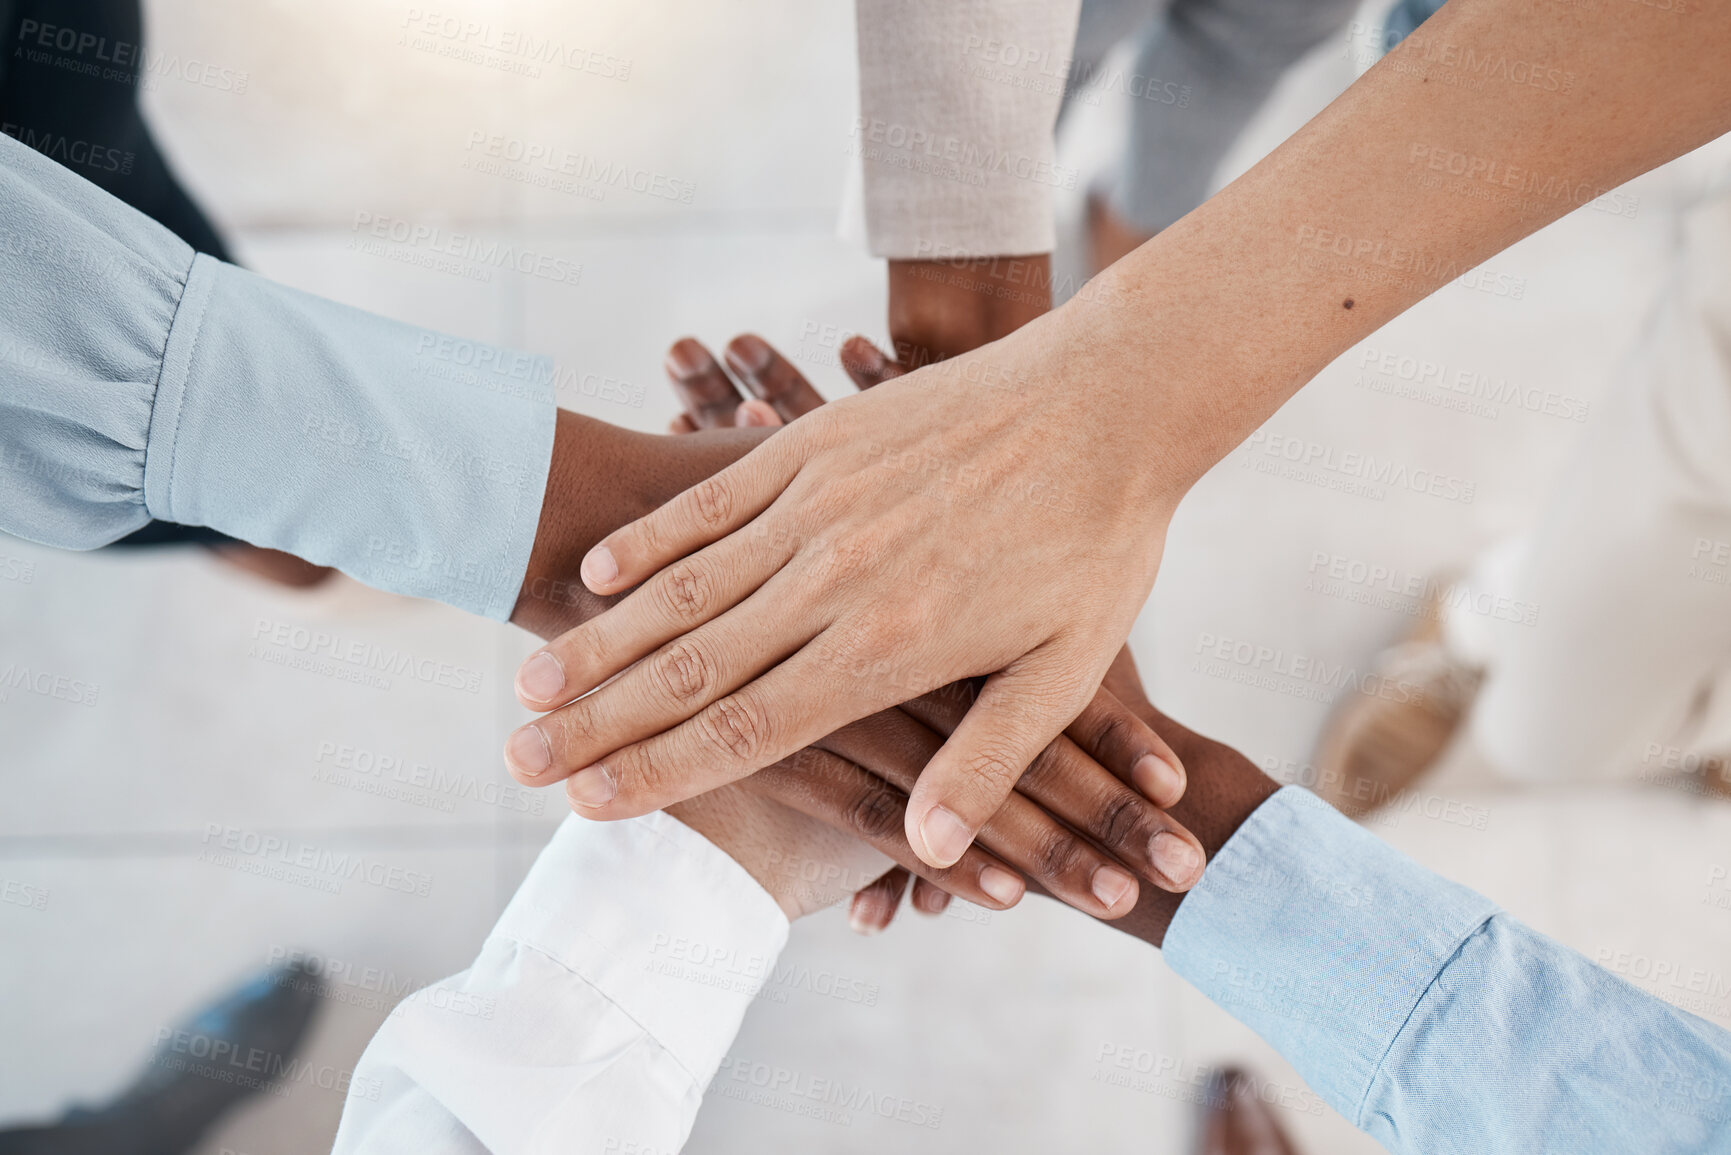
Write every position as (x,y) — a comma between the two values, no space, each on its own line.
(139,380)
(1427,1017)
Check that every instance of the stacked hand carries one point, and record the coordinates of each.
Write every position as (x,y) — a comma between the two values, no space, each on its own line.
(1107,729)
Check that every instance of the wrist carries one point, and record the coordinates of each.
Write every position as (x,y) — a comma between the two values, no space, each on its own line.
(1224,789)
(939,309)
(602,477)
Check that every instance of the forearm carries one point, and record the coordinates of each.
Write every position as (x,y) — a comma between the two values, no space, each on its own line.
(1402,184)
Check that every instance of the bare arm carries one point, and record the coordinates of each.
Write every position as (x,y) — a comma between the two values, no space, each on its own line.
(1047,465)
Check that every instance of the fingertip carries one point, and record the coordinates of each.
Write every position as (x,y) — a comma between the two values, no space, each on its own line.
(591,788)
(939,837)
(1116,890)
(686,357)
(1002,886)
(756,414)
(528,755)
(748,354)
(600,569)
(1160,779)
(868,914)
(540,680)
(1178,859)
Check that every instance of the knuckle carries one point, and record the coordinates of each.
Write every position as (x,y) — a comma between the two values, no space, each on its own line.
(1058,854)
(641,773)
(1046,766)
(686,591)
(875,815)
(711,503)
(573,731)
(994,770)
(683,671)
(1111,734)
(737,727)
(1117,819)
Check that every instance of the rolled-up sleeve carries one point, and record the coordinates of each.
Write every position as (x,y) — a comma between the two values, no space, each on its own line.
(139,380)
(957,107)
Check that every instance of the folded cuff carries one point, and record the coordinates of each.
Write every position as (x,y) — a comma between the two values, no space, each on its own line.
(412,461)
(659,920)
(1320,938)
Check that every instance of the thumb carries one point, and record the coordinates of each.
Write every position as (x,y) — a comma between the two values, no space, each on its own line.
(1015,717)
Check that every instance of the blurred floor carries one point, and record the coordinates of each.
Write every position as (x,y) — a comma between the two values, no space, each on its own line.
(1020,1032)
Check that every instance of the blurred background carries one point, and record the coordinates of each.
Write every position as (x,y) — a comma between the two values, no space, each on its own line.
(1028,1031)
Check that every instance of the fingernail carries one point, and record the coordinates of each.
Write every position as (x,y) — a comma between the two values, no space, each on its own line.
(751,416)
(1003,886)
(1112,886)
(686,358)
(865,916)
(945,837)
(527,751)
(592,788)
(541,678)
(1156,778)
(863,354)
(1175,858)
(748,354)
(599,568)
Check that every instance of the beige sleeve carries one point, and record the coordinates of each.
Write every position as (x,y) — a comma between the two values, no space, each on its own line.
(958,100)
